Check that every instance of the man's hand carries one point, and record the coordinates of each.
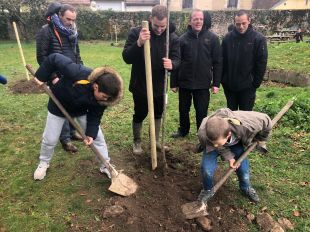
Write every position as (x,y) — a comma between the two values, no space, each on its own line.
(175,90)
(167,63)
(144,35)
(231,164)
(88,141)
(215,90)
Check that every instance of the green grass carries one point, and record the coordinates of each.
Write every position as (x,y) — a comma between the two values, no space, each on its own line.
(290,56)
(59,200)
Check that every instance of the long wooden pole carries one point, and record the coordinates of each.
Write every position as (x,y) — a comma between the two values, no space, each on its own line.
(20,50)
(163,122)
(149,87)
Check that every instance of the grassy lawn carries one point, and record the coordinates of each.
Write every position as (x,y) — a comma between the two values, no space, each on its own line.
(73,187)
(290,56)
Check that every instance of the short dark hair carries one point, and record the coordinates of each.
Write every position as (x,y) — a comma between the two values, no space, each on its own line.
(241,12)
(160,12)
(66,7)
(108,84)
(217,127)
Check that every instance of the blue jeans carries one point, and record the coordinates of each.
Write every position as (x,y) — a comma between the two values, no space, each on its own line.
(209,166)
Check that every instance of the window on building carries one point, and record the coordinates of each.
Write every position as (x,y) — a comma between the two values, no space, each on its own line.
(232,4)
(187,4)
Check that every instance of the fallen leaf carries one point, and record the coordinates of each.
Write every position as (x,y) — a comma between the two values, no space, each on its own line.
(88,200)
(264,208)
(296,213)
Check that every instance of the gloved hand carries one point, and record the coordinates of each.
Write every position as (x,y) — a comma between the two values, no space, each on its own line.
(3,80)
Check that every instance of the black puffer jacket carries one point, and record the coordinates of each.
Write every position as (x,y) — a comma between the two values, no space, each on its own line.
(132,54)
(78,99)
(244,59)
(201,61)
(48,43)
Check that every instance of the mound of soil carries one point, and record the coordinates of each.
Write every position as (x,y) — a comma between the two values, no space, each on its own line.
(25,87)
(157,204)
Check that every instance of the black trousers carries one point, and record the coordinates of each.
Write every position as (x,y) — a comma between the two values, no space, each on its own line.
(201,98)
(141,107)
(240,100)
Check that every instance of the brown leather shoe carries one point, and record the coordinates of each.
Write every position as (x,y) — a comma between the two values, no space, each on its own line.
(69,147)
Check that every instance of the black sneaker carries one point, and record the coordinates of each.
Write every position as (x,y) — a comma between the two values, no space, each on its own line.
(178,134)
(205,196)
(251,194)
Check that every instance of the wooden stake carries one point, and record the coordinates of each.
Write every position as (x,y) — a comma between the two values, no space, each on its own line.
(20,50)
(149,87)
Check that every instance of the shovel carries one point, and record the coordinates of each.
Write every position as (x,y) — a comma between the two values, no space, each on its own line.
(198,208)
(121,184)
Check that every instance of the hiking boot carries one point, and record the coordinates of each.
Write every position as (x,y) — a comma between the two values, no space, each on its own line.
(137,149)
(251,194)
(76,137)
(103,169)
(178,134)
(69,147)
(40,172)
(205,196)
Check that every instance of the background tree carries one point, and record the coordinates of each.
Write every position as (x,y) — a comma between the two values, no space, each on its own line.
(20,10)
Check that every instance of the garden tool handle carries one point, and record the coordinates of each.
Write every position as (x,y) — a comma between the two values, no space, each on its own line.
(249,149)
(73,123)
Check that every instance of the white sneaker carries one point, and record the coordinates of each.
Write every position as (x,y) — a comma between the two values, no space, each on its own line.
(103,169)
(40,172)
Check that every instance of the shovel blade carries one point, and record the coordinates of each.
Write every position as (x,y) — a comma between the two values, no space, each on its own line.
(123,185)
(194,209)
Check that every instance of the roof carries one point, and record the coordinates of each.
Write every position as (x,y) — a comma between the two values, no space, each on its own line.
(264,4)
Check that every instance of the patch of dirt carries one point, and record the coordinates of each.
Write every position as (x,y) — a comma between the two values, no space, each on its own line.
(25,87)
(156,206)
(274,84)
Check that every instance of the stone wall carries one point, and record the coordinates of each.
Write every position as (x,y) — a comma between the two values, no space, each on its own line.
(97,25)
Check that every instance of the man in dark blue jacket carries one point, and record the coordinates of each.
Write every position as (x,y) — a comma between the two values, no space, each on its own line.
(60,36)
(133,54)
(85,94)
(244,63)
(200,69)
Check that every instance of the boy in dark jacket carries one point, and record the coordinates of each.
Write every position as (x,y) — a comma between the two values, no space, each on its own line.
(200,70)
(85,94)
(133,53)
(226,133)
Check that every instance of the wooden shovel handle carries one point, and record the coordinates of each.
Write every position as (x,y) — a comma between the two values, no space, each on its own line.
(73,123)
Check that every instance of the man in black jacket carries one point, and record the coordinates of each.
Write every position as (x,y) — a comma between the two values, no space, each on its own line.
(85,94)
(133,54)
(60,36)
(244,63)
(200,69)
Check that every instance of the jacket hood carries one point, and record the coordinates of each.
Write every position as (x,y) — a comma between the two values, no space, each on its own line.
(207,20)
(103,70)
(53,8)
